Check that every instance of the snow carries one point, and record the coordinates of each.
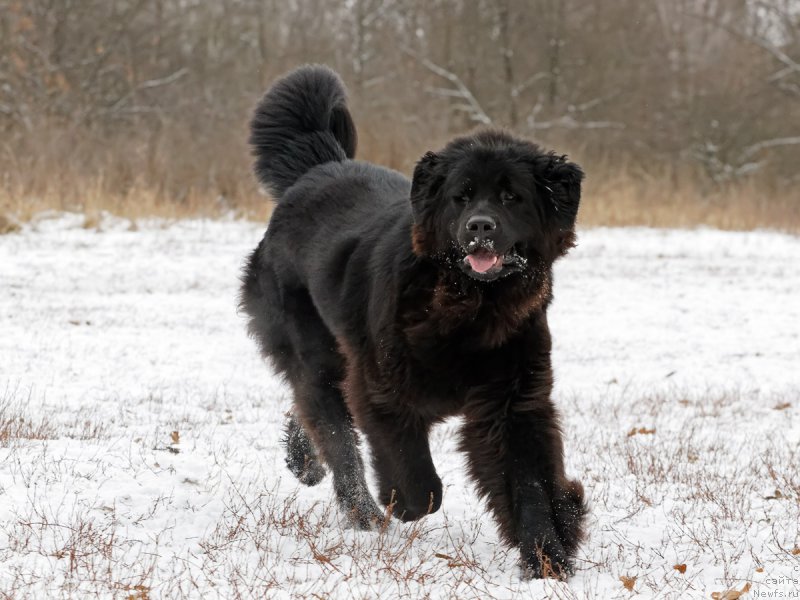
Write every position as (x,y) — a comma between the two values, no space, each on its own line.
(676,357)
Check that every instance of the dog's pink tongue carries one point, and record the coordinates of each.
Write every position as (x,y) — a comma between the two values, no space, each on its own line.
(482,261)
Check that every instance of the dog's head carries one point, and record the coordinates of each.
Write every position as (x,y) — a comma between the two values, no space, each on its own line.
(493,205)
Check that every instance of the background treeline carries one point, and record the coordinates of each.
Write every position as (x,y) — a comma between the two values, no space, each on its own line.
(682,111)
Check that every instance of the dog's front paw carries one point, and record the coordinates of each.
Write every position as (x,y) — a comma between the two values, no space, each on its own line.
(547,561)
(415,505)
(366,521)
(364,514)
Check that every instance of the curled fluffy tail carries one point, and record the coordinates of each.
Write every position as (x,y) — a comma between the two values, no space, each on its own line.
(301,122)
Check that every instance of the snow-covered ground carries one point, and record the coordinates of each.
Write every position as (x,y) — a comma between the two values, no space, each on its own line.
(139,429)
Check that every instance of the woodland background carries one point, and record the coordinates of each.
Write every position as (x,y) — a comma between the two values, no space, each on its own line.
(682,112)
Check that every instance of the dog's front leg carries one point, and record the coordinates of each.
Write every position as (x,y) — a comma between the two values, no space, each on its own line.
(402,461)
(398,440)
(515,456)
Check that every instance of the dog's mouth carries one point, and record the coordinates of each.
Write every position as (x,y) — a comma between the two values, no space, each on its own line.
(483,260)
(486,264)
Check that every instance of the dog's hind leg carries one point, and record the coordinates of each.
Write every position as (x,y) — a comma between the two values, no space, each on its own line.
(325,418)
(291,333)
(315,375)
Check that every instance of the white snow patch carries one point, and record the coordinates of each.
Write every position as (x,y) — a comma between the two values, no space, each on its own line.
(676,358)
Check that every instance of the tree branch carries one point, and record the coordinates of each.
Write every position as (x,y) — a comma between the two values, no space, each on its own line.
(753,149)
(777,53)
(475,110)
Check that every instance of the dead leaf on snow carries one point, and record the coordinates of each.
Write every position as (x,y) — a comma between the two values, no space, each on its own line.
(628,582)
(139,592)
(681,568)
(641,431)
(731,594)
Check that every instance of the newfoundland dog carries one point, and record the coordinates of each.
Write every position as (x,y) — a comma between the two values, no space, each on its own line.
(389,305)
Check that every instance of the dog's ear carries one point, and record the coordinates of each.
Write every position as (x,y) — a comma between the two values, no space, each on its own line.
(425,183)
(561,182)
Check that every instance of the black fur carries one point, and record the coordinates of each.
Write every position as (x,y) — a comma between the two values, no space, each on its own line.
(391,304)
(300,123)
(301,457)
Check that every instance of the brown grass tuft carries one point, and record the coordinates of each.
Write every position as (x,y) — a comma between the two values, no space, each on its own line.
(175,178)
(622,196)
(8,224)
(18,428)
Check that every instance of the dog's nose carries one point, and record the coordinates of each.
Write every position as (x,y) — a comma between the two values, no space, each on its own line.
(481,225)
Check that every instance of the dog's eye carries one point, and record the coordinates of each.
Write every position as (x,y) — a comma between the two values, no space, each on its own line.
(461,198)
(508,197)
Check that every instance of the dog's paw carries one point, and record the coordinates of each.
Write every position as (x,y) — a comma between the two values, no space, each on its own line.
(301,456)
(370,519)
(308,469)
(312,474)
(569,515)
(549,562)
(361,510)
(413,504)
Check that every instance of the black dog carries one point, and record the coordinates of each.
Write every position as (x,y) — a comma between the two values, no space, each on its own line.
(397,303)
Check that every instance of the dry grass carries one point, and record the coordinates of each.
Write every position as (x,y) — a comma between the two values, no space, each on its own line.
(17,428)
(8,224)
(614,200)
(623,195)
(265,543)
(19,424)
(169,174)
(95,198)
(16,423)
